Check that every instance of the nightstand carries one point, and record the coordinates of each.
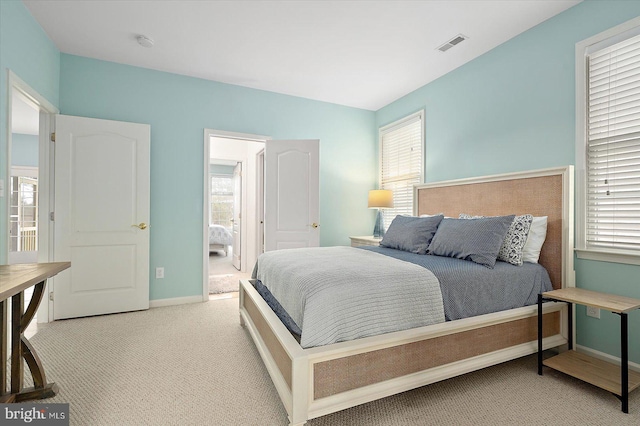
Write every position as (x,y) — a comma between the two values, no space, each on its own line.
(365,241)
(613,378)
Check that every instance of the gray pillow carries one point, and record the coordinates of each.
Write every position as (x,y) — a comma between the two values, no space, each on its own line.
(512,247)
(478,240)
(411,233)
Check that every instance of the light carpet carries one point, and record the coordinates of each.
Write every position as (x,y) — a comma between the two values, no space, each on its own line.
(224,283)
(195,365)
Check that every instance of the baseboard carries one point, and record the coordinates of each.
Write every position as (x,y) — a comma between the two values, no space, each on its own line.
(158,303)
(606,357)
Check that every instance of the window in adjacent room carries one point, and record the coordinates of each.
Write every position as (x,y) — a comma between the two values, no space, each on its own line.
(23,217)
(401,162)
(608,150)
(221,200)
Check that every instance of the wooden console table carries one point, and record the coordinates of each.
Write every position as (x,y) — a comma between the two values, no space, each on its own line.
(14,279)
(616,379)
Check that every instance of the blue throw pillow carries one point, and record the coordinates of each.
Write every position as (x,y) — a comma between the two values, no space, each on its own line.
(512,247)
(477,240)
(411,233)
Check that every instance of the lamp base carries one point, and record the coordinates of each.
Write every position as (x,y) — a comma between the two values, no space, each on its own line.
(378,230)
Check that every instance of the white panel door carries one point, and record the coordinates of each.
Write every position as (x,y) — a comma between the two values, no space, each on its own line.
(237,214)
(101,216)
(292,186)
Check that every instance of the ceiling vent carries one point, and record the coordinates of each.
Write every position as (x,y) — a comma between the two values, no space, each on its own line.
(456,40)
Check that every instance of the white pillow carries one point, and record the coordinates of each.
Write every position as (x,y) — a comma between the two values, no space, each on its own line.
(537,235)
(431,215)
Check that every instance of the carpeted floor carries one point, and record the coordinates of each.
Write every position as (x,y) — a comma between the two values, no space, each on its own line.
(224,283)
(223,276)
(195,365)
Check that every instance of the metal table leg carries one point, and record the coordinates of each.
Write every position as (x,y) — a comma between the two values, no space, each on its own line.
(624,367)
(540,334)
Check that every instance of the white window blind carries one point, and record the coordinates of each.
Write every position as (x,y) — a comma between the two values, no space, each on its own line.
(401,150)
(613,147)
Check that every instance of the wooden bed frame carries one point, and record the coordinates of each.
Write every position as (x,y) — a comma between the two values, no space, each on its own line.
(317,381)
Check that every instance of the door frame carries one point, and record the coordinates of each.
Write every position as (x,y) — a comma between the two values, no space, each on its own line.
(238,194)
(45,177)
(260,205)
(206,190)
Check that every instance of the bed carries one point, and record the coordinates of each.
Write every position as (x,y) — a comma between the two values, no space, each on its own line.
(219,238)
(316,381)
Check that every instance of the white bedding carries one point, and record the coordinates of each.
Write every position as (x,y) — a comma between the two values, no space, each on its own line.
(218,234)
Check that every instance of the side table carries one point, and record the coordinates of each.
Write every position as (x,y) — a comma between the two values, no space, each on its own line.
(365,241)
(616,379)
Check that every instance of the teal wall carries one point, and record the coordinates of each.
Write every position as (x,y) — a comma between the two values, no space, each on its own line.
(24,150)
(513,109)
(28,52)
(179,108)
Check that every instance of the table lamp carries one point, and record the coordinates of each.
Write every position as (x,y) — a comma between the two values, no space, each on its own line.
(380,199)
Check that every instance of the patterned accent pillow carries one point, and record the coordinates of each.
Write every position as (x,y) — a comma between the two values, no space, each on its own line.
(514,240)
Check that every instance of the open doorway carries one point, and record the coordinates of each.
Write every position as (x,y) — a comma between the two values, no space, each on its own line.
(27,165)
(23,180)
(28,181)
(233,204)
(23,186)
(225,204)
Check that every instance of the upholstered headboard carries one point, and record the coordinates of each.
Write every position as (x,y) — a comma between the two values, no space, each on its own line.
(547,192)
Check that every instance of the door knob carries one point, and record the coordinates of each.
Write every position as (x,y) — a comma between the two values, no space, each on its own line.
(315,225)
(142,225)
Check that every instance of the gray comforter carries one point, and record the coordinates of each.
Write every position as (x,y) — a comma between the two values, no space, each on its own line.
(337,294)
(469,289)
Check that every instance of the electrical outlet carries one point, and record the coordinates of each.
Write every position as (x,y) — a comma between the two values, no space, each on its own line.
(159,272)
(594,312)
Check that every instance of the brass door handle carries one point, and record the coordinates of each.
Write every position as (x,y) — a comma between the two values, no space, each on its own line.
(315,225)
(142,225)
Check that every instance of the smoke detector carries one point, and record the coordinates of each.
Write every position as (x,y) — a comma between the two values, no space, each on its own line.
(144,41)
(454,41)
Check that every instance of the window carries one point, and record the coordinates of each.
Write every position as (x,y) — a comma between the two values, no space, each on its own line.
(23,219)
(221,200)
(609,148)
(401,162)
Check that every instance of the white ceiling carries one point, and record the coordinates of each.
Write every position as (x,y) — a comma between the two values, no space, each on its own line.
(363,54)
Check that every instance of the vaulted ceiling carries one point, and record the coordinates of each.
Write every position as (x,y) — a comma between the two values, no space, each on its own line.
(363,54)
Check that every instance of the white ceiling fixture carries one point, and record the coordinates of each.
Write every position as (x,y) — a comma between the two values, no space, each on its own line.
(363,54)
(144,41)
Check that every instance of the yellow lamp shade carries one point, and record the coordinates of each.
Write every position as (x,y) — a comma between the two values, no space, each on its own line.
(380,198)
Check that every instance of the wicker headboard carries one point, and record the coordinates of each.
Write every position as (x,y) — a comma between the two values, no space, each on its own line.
(547,192)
